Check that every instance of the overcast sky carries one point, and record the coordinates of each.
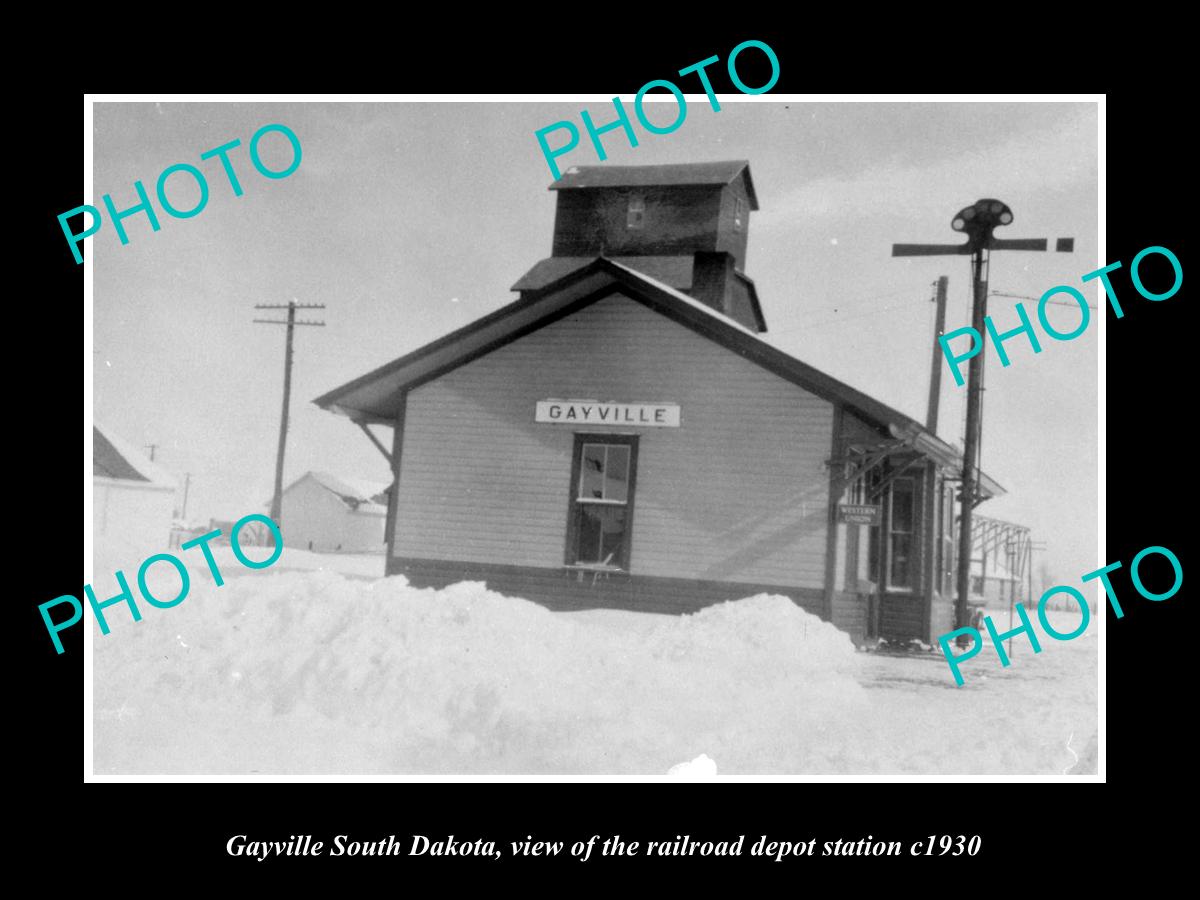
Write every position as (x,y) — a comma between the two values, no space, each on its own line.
(411,220)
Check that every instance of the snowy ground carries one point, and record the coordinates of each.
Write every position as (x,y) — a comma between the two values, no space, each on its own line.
(356,565)
(324,670)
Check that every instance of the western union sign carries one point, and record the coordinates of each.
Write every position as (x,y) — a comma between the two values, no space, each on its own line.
(858,513)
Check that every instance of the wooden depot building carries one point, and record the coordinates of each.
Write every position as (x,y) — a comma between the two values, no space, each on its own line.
(621,435)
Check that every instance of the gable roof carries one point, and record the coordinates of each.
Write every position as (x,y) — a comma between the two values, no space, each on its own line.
(676,271)
(114,458)
(673,270)
(375,397)
(357,494)
(706,173)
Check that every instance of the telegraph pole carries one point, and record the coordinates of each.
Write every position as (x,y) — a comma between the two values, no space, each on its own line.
(977,222)
(187,483)
(1028,549)
(152,448)
(935,374)
(291,323)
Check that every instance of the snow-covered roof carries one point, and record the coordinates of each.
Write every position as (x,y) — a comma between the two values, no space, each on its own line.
(116,459)
(360,494)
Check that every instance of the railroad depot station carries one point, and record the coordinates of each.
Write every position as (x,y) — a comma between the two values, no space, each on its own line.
(621,435)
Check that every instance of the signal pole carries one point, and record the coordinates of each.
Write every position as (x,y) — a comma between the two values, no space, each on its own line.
(291,323)
(977,222)
(974,429)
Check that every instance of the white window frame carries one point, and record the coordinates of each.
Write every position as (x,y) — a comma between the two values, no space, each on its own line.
(914,560)
(635,215)
(579,499)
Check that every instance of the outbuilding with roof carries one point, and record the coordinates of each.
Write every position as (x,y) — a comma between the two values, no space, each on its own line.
(133,499)
(332,513)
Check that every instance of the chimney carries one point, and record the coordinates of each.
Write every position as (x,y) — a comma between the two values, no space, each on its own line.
(712,280)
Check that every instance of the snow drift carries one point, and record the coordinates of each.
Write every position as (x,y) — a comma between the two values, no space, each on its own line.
(292,672)
(313,672)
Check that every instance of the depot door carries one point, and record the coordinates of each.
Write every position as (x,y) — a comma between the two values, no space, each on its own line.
(900,602)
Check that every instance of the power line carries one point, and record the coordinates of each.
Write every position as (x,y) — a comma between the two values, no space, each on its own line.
(855,305)
(874,298)
(839,319)
(1037,299)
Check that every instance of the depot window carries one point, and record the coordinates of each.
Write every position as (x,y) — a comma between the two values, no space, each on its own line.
(600,516)
(636,217)
(902,535)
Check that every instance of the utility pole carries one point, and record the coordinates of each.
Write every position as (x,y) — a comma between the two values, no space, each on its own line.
(291,323)
(1027,552)
(1029,581)
(935,374)
(152,448)
(187,483)
(1028,549)
(977,222)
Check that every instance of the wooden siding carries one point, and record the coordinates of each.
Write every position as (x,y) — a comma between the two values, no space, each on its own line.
(902,616)
(711,277)
(738,493)
(856,431)
(930,497)
(832,534)
(562,590)
(678,220)
(716,284)
(389,529)
(740,307)
(729,239)
(850,613)
(942,617)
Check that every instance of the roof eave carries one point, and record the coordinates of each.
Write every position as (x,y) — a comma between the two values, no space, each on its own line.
(750,193)
(728,333)
(329,400)
(932,446)
(756,307)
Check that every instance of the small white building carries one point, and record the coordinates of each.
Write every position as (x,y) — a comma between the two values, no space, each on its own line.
(329,513)
(993,582)
(133,499)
